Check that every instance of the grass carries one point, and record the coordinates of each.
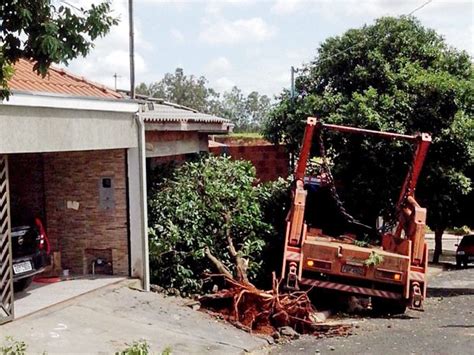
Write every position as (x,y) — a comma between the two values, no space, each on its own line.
(13,347)
(253,135)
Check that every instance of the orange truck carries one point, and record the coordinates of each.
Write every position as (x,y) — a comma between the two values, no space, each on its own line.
(393,272)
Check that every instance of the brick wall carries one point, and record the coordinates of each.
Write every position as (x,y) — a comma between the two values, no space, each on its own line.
(43,183)
(75,176)
(270,161)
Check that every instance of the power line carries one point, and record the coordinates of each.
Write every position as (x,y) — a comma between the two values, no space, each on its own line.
(71,5)
(359,43)
(419,7)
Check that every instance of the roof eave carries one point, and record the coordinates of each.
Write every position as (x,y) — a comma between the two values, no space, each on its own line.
(53,100)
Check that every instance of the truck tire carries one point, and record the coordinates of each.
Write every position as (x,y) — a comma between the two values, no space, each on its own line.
(22,284)
(384,306)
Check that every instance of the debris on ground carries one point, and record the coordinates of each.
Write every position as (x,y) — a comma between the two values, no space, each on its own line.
(256,311)
(268,312)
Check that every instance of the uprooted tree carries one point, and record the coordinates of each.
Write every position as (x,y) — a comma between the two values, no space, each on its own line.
(207,224)
(206,218)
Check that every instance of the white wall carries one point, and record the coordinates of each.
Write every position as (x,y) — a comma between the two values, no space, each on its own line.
(41,129)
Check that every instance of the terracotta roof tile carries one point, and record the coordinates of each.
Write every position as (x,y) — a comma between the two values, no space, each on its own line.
(57,81)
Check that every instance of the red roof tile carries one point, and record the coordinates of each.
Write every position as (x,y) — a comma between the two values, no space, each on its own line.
(56,81)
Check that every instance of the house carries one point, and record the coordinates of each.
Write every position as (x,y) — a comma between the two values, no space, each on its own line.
(74,153)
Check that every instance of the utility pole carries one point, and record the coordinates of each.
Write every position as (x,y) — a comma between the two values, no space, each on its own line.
(292,93)
(131,49)
(116,76)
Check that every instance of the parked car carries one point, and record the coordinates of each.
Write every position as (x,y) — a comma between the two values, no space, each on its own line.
(30,249)
(465,251)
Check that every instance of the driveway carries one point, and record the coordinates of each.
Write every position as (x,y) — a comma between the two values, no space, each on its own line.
(106,320)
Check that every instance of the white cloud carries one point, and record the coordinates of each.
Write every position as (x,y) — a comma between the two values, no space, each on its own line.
(110,54)
(177,35)
(219,65)
(223,31)
(215,7)
(223,84)
(286,7)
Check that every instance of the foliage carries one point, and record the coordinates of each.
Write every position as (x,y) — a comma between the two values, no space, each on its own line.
(275,201)
(189,212)
(246,112)
(140,347)
(46,34)
(461,230)
(13,347)
(185,90)
(374,259)
(394,75)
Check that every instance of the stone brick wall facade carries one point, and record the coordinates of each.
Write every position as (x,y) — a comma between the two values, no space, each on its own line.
(270,161)
(76,177)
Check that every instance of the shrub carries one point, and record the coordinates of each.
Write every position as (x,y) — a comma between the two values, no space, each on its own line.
(193,209)
(13,347)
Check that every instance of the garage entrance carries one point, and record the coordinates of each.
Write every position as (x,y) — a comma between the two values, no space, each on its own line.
(68,225)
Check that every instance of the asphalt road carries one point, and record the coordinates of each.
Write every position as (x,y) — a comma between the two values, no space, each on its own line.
(446,326)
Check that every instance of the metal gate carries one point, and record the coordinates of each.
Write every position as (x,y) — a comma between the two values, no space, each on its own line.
(6,272)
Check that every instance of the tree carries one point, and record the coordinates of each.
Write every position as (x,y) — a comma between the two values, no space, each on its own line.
(46,34)
(207,213)
(394,75)
(181,89)
(247,113)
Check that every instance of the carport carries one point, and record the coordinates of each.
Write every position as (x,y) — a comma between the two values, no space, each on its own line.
(70,156)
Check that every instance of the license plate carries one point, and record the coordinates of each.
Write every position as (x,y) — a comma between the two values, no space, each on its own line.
(22,267)
(352,269)
(470,257)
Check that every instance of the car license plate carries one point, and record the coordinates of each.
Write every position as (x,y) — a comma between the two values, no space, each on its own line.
(22,267)
(353,269)
(470,257)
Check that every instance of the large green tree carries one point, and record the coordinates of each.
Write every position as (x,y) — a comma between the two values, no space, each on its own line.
(399,76)
(45,33)
(186,90)
(247,112)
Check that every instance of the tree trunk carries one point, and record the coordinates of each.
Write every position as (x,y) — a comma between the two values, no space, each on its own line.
(438,244)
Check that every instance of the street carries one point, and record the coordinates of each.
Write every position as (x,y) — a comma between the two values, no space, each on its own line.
(446,326)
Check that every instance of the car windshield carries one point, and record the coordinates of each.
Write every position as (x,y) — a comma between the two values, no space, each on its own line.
(21,217)
(468,240)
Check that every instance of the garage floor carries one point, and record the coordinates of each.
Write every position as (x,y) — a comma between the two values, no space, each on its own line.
(42,295)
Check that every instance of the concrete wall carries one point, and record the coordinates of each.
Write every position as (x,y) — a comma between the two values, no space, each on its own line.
(168,143)
(42,129)
(270,161)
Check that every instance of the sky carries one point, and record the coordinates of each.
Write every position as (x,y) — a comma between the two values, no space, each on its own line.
(248,43)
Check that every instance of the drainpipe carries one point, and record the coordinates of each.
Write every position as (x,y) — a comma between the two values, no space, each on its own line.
(143,201)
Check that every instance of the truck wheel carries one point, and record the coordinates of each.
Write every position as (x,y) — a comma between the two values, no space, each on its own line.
(385,306)
(22,284)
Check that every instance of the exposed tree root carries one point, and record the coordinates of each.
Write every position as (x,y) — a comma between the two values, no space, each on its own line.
(264,312)
(254,310)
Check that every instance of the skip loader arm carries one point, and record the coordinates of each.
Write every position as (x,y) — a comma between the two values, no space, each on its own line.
(411,217)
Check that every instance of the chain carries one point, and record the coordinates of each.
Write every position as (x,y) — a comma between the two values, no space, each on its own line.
(390,225)
(326,172)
